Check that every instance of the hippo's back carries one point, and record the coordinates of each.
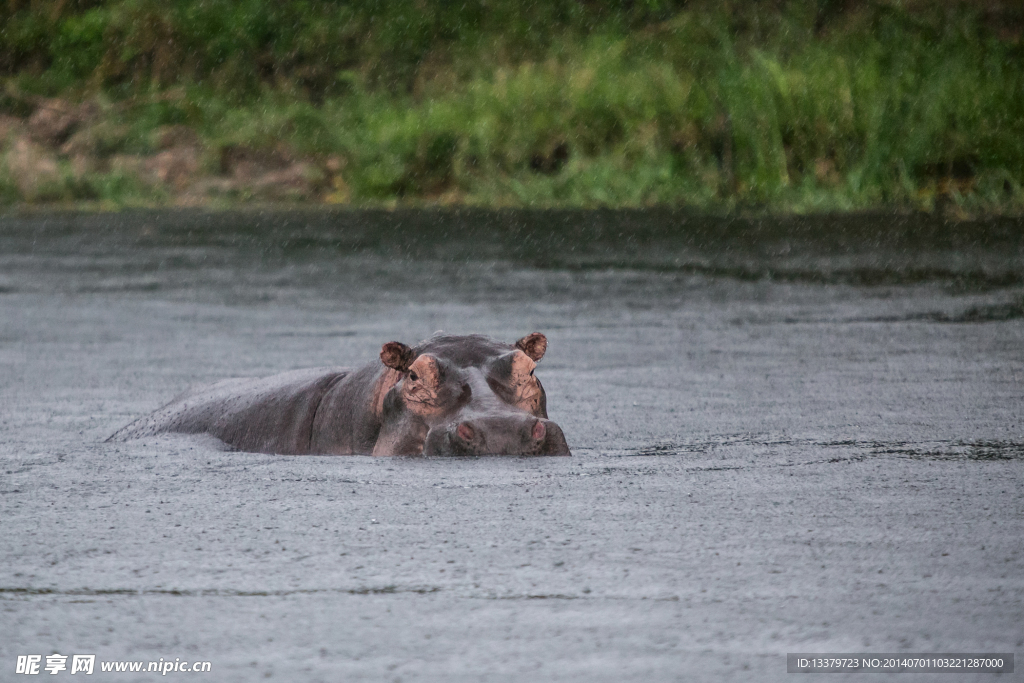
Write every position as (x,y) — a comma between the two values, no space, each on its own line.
(263,415)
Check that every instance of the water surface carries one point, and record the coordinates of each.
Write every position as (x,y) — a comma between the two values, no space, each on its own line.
(789,435)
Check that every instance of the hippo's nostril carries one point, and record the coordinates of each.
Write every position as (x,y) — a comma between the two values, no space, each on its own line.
(539,431)
(465,431)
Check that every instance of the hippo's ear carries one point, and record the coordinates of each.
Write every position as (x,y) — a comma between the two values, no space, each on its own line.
(397,356)
(533,345)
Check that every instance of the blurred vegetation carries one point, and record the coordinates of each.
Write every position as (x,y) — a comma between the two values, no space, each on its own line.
(792,105)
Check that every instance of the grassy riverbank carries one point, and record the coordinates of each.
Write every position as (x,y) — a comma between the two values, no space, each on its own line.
(792,106)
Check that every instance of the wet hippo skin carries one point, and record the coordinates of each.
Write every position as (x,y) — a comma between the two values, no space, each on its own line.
(449,395)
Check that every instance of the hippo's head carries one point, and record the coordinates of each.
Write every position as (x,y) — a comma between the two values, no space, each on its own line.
(467,395)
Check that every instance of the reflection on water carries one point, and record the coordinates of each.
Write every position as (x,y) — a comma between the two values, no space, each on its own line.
(143,248)
(800,452)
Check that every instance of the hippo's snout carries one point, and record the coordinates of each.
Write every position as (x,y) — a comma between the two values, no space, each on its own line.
(497,435)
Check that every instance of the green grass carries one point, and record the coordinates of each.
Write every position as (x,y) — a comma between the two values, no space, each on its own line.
(782,107)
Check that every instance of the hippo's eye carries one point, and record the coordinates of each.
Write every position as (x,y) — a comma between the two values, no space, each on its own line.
(413,376)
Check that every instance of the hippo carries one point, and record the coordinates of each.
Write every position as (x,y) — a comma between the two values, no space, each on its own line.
(449,395)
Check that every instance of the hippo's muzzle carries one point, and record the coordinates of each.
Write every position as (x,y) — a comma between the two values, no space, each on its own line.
(497,435)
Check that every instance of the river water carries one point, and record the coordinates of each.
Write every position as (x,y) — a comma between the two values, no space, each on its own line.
(788,435)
